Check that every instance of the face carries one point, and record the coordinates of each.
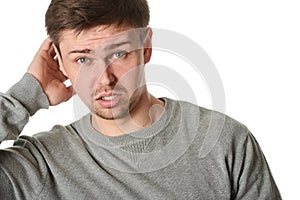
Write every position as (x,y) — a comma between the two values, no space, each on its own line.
(106,68)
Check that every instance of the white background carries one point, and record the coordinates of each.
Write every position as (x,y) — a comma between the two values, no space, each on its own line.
(255,46)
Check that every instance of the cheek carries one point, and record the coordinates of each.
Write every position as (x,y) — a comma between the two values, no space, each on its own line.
(132,79)
(132,70)
(83,84)
(82,81)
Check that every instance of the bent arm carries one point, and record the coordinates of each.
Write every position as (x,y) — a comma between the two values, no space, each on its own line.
(20,166)
(41,86)
(19,103)
(23,170)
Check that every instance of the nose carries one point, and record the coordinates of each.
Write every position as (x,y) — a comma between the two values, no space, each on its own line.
(107,77)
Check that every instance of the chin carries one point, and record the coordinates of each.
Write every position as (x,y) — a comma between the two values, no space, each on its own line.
(112,113)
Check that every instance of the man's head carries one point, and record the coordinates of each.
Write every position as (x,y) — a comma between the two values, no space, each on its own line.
(102,47)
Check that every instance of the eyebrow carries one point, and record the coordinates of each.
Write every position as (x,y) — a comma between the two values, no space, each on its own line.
(85,51)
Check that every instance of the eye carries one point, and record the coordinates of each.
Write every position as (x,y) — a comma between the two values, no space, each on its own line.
(82,60)
(119,54)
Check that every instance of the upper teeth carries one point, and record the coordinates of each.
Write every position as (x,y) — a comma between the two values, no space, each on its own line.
(108,98)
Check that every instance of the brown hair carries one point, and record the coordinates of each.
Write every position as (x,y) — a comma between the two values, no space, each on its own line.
(79,15)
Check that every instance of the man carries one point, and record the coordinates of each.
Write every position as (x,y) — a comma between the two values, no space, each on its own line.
(132,145)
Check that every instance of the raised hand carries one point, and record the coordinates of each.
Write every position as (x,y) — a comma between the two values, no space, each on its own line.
(45,69)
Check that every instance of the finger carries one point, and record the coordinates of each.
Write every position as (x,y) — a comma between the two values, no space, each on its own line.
(46,45)
(60,76)
(52,52)
(53,63)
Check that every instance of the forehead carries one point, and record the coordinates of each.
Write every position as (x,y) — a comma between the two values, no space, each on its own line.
(93,37)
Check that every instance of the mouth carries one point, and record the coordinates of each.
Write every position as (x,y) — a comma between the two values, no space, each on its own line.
(108,100)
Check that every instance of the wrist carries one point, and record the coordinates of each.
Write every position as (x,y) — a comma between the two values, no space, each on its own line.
(29,93)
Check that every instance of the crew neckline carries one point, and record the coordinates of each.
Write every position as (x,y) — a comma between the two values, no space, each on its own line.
(89,133)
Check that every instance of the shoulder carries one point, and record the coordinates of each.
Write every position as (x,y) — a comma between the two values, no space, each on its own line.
(210,118)
(224,144)
(216,131)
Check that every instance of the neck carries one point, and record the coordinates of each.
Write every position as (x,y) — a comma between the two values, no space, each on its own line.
(147,112)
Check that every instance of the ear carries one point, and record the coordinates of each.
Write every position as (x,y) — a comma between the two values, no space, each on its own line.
(148,46)
(58,56)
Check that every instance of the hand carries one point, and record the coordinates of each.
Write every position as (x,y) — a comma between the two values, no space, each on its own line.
(46,70)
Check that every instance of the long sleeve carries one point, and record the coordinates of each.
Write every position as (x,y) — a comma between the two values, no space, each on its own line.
(21,166)
(18,104)
(254,178)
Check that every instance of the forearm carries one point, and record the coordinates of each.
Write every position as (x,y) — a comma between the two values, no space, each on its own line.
(19,103)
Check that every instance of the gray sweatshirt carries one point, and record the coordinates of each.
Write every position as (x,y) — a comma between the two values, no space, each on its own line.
(189,153)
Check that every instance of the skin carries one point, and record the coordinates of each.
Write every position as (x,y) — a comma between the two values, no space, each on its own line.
(132,109)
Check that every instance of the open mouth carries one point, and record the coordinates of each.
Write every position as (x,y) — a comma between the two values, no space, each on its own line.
(108,100)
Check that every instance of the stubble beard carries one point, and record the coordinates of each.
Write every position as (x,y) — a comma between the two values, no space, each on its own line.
(113,113)
(122,110)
